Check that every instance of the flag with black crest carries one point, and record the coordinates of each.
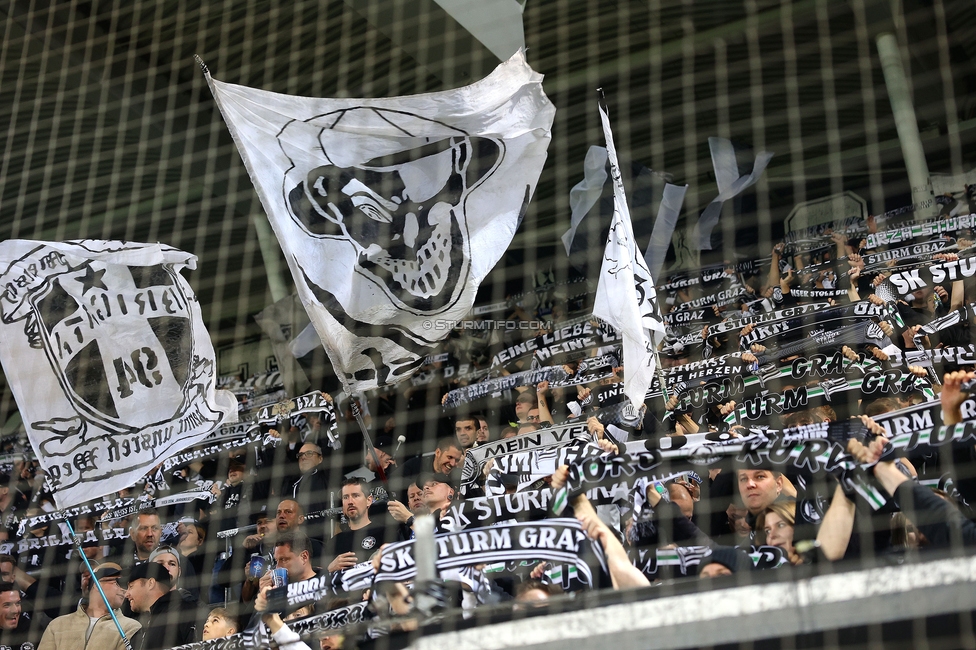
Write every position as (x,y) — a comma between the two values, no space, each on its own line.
(391,211)
(104,347)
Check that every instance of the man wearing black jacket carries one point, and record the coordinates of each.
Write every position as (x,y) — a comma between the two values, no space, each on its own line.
(311,487)
(166,621)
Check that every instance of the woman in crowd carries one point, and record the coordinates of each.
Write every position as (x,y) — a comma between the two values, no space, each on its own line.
(775,526)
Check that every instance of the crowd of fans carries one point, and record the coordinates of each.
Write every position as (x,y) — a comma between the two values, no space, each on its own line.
(171,580)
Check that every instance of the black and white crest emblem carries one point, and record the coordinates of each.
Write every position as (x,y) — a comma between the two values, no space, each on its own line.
(369,542)
(116,370)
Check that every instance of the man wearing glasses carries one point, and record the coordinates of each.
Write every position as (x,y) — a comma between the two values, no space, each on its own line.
(311,488)
(91,625)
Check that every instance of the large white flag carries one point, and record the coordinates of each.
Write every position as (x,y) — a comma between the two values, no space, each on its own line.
(625,296)
(105,350)
(391,211)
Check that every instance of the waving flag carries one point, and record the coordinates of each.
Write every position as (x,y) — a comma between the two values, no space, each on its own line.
(625,296)
(391,211)
(105,350)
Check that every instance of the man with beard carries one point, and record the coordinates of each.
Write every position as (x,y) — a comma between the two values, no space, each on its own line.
(288,518)
(362,538)
(447,455)
(76,631)
(144,533)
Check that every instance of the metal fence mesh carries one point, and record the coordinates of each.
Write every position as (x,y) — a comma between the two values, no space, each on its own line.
(111,133)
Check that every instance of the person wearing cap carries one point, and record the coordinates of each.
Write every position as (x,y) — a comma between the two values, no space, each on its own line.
(438,492)
(91,625)
(174,562)
(166,621)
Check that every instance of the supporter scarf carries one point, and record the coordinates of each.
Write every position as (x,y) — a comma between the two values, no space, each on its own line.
(552,437)
(686,559)
(711,274)
(448,370)
(718,390)
(100,535)
(114,509)
(588,471)
(219,446)
(587,371)
(818,293)
(719,298)
(962,355)
(916,253)
(576,334)
(738,322)
(851,335)
(816,448)
(241,435)
(920,417)
(558,540)
(923,229)
(532,466)
(705,276)
(820,230)
(906,282)
(881,258)
(727,364)
(875,383)
(333,619)
(842,313)
(682,318)
(951,319)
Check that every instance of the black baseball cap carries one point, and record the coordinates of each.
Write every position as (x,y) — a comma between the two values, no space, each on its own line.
(148,570)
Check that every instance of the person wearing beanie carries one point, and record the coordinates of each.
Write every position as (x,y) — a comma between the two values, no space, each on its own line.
(724,561)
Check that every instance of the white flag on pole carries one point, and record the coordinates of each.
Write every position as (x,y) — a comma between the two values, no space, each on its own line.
(104,347)
(391,211)
(625,296)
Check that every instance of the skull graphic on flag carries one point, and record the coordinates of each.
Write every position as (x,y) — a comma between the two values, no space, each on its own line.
(391,211)
(107,356)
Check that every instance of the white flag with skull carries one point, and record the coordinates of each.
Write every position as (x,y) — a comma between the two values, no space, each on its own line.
(104,347)
(391,211)
(625,297)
